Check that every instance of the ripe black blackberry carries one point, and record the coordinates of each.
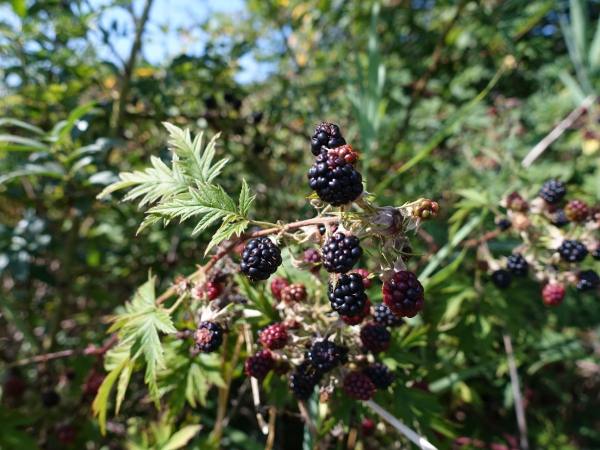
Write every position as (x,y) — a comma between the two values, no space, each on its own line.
(326,135)
(260,259)
(596,253)
(303,380)
(208,336)
(358,386)
(324,356)
(502,278)
(588,280)
(381,376)
(504,224)
(375,337)
(334,180)
(341,253)
(273,336)
(260,364)
(348,297)
(517,265)
(560,219)
(553,191)
(384,316)
(362,316)
(572,251)
(50,398)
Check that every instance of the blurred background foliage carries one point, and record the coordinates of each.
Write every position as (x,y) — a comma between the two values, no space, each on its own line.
(466,88)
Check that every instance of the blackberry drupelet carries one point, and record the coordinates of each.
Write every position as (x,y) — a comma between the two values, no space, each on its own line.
(404,294)
(260,259)
(208,336)
(588,280)
(260,364)
(348,297)
(576,211)
(293,293)
(596,253)
(384,316)
(303,380)
(362,316)
(381,376)
(341,253)
(501,278)
(358,386)
(273,336)
(375,337)
(50,398)
(334,180)
(553,294)
(517,265)
(560,219)
(572,251)
(504,224)
(326,135)
(324,356)
(277,285)
(553,191)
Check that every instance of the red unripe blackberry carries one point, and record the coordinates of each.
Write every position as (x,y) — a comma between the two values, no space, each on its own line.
(576,211)
(334,180)
(367,427)
(384,316)
(14,386)
(364,273)
(553,294)
(312,256)
(348,297)
(375,337)
(260,364)
(93,382)
(260,259)
(209,336)
(588,280)
(426,209)
(341,253)
(324,356)
(358,386)
(273,336)
(504,224)
(502,278)
(303,380)
(346,152)
(572,251)
(560,219)
(293,293)
(277,285)
(404,294)
(326,135)
(213,290)
(596,253)
(517,265)
(50,398)
(381,376)
(516,203)
(553,191)
(66,434)
(362,316)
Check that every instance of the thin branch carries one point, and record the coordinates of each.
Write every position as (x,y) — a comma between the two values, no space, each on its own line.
(311,426)
(271,437)
(254,383)
(514,380)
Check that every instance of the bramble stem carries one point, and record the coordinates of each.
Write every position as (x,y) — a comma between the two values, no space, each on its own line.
(514,381)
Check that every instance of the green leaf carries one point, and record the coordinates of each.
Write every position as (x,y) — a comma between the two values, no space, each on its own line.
(573,86)
(60,133)
(123,383)
(20,124)
(24,144)
(245,199)
(225,232)
(100,403)
(196,386)
(182,437)
(594,53)
(50,169)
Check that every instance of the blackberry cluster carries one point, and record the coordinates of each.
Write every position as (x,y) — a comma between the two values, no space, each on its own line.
(504,224)
(50,398)
(362,316)
(502,278)
(384,316)
(572,251)
(553,294)
(326,135)
(295,292)
(375,337)
(341,253)
(404,294)
(273,336)
(260,364)
(324,356)
(560,219)
(334,180)
(348,297)
(517,265)
(577,211)
(209,336)
(358,386)
(553,191)
(381,376)
(277,285)
(303,380)
(260,259)
(588,280)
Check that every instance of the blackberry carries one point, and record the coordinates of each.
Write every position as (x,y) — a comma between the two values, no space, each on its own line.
(324,356)
(560,219)
(335,181)
(362,316)
(326,135)
(14,386)
(348,297)
(341,253)
(277,285)
(572,251)
(504,224)
(596,253)
(384,316)
(260,364)
(312,256)
(260,259)
(553,294)
(516,203)
(553,191)
(426,209)
(517,265)
(50,399)
(407,250)
(576,211)
(93,382)
(273,336)
(364,273)
(66,434)
(588,280)
(322,229)
(358,386)
(502,278)
(208,336)
(303,380)
(375,337)
(213,290)
(70,374)
(404,294)
(293,293)
(381,376)
(367,427)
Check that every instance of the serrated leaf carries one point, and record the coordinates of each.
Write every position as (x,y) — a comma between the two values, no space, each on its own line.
(123,383)
(245,199)
(100,403)
(196,386)
(182,437)
(225,232)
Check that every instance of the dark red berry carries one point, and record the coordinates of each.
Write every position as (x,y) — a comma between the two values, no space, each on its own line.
(277,285)
(293,293)
(367,428)
(576,211)
(260,364)
(517,265)
(312,256)
(381,376)
(93,382)
(209,336)
(572,251)
(348,297)
(260,259)
(426,209)
(362,316)
(346,152)
(213,290)
(50,398)
(553,191)
(334,180)
(358,386)
(326,135)
(66,434)
(404,294)
(553,294)
(273,337)
(502,278)
(14,386)
(341,253)
(364,273)
(375,337)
